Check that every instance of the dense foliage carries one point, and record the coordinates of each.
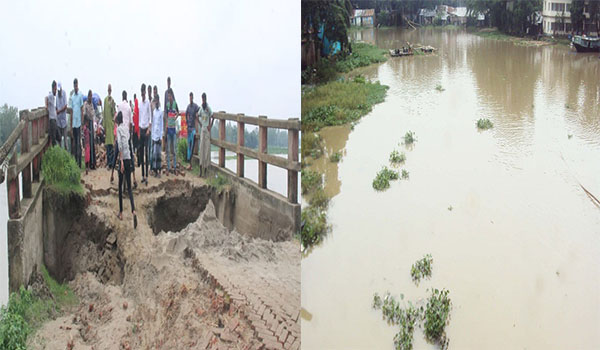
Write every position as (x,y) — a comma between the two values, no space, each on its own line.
(511,17)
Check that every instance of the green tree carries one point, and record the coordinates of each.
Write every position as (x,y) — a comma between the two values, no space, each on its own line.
(594,11)
(8,121)
(335,15)
(577,17)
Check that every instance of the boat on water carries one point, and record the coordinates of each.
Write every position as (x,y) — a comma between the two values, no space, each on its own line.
(401,52)
(586,43)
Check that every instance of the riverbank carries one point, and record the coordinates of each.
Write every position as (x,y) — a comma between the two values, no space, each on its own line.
(472,194)
(495,34)
(331,100)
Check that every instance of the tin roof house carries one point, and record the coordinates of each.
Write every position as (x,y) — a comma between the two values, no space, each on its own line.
(363,17)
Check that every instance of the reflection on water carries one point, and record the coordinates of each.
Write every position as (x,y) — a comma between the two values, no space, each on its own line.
(3,245)
(519,251)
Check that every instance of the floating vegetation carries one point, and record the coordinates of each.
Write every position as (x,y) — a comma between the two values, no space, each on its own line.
(405,174)
(397,157)
(310,180)
(432,318)
(484,124)
(319,199)
(383,177)
(439,88)
(437,317)
(395,315)
(312,145)
(409,138)
(314,226)
(313,217)
(336,157)
(421,269)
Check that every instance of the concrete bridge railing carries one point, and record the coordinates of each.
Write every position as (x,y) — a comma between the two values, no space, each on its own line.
(290,164)
(32,130)
(25,224)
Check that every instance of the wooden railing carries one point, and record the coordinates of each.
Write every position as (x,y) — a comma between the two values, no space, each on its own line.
(33,132)
(291,164)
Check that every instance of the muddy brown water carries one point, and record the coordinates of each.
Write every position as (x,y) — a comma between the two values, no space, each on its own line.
(519,250)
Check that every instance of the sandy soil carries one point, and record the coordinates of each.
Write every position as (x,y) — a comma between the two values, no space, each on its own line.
(189,289)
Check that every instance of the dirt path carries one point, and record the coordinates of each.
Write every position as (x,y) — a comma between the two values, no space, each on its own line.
(202,287)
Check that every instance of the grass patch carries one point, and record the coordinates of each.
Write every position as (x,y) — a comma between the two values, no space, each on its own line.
(218,182)
(409,138)
(405,174)
(383,178)
(61,172)
(494,34)
(484,124)
(397,157)
(182,147)
(335,157)
(439,88)
(362,55)
(26,311)
(340,102)
(421,269)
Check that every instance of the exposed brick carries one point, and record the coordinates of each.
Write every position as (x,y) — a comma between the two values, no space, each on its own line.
(295,344)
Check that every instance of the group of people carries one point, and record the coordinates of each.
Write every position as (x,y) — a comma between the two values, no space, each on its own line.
(132,130)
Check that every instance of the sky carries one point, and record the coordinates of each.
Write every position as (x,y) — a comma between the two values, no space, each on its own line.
(244,54)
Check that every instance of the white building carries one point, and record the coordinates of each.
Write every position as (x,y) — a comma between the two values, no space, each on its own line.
(557,18)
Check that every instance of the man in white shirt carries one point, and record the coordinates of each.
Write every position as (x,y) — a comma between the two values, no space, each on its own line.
(52,115)
(145,112)
(125,110)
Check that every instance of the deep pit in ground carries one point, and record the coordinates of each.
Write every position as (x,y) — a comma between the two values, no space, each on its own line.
(90,245)
(174,211)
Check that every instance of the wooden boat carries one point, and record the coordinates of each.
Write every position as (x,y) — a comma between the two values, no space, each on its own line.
(400,53)
(586,43)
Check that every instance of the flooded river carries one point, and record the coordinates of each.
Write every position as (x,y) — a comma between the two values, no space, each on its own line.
(520,249)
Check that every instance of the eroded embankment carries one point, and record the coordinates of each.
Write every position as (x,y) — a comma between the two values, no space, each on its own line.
(181,280)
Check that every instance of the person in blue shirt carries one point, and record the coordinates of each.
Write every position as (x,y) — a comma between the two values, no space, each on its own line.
(76,110)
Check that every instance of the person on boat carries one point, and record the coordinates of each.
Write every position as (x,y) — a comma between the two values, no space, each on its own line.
(125,165)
